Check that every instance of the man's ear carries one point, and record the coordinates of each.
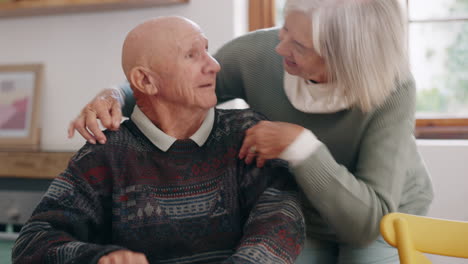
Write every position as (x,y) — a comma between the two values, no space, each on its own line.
(141,79)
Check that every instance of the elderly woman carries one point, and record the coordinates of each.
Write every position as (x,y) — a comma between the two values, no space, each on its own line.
(335,81)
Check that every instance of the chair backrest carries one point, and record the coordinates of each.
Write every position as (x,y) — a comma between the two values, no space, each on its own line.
(413,235)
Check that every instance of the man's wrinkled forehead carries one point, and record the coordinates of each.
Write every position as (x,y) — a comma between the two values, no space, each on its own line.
(190,40)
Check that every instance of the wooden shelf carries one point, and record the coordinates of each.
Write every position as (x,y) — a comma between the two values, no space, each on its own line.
(48,7)
(39,165)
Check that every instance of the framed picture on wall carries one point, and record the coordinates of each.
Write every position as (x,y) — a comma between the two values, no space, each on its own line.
(20,87)
(12,8)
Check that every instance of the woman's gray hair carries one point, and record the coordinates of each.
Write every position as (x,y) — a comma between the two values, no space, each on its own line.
(363,43)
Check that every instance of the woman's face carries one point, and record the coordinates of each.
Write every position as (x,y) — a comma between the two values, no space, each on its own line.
(296,48)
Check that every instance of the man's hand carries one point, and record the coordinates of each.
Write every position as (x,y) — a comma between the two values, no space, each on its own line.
(267,140)
(106,106)
(123,257)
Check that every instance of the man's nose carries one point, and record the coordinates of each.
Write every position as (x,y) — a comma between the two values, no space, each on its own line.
(212,65)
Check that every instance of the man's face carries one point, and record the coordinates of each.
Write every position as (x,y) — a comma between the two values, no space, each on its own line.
(189,77)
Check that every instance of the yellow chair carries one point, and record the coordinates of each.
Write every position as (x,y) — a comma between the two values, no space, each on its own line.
(413,235)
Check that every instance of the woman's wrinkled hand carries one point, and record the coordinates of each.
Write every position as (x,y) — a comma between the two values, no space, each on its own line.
(106,107)
(267,140)
(123,257)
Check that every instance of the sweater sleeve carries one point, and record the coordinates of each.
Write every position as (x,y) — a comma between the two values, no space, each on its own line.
(274,228)
(69,224)
(229,83)
(129,100)
(361,199)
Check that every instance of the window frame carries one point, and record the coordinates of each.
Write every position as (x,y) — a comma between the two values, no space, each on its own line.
(439,128)
(262,15)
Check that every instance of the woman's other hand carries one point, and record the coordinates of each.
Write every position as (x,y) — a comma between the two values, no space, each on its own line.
(267,140)
(106,106)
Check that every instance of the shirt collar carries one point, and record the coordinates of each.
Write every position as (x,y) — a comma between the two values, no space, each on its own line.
(308,97)
(162,140)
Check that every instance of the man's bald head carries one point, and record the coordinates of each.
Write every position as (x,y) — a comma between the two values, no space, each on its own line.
(153,43)
(167,63)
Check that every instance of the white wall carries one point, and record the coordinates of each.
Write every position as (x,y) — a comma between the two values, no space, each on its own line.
(447,162)
(81,53)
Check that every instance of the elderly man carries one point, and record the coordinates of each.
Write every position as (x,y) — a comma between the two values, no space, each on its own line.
(168,187)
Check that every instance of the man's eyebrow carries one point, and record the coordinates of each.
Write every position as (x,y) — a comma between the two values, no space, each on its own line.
(195,44)
(205,40)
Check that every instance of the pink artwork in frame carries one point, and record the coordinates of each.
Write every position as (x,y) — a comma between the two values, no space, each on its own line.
(19,106)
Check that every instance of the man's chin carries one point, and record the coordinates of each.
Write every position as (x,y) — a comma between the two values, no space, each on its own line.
(213,104)
(208,104)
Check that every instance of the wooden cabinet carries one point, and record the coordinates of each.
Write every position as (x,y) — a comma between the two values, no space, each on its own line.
(14,8)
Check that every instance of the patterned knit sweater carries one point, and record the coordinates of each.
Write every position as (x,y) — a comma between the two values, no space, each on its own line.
(368,164)
(190,204)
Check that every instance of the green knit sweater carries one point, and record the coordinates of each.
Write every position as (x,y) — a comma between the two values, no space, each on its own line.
(368,164)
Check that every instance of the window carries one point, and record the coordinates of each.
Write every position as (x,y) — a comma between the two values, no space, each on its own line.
(279,12)
(438,47)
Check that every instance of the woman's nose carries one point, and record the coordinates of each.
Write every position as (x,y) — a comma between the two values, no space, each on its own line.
(281,48)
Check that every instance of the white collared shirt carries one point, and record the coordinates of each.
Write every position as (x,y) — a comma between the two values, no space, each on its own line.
(162,140)
(310,97)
